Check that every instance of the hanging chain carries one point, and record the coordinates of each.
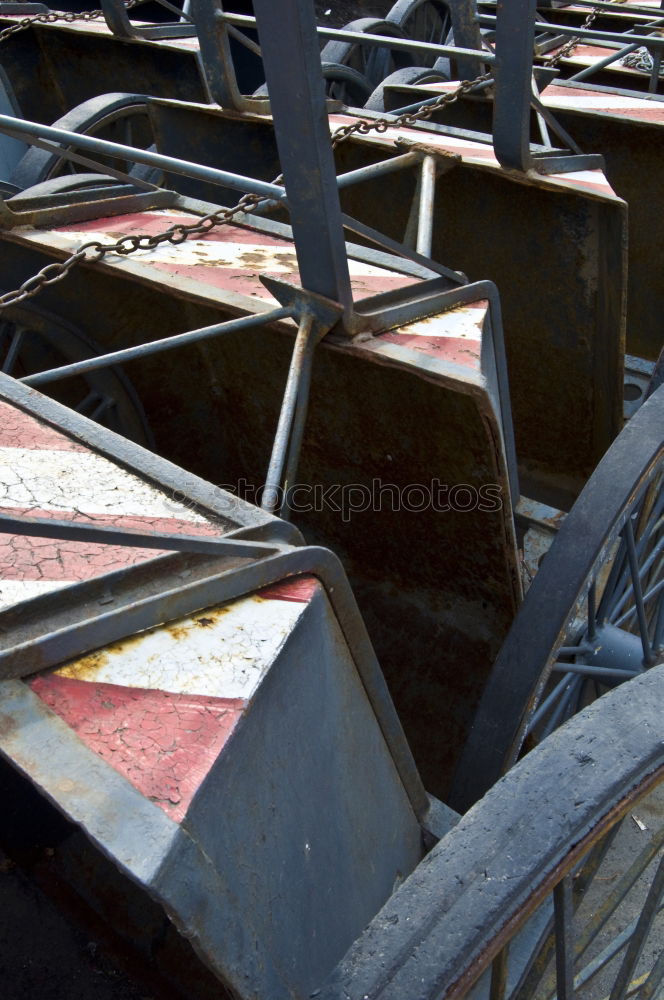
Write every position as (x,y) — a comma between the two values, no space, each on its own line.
(53,18)
(94,251)
(364,126)
(569,47)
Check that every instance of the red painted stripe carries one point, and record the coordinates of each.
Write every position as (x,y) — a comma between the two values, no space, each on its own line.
(458,350)
(163,743)
(21,430)
(153,223)
(247,282)
(299,591)
(23,557)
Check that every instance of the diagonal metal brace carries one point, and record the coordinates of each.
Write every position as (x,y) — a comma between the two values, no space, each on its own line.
(317,315)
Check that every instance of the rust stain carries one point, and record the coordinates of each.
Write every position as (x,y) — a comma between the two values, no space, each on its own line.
(86,667)
(205,622)
(176,631)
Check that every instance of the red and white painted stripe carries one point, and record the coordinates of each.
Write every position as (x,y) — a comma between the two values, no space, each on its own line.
(453,337)
(230,258)
(45,473)
(160,706)
(578,99)
(478,153)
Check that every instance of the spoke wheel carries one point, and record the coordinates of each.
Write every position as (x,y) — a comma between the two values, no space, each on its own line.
(368,60)
(424,21)
(593,617)
(551,887)
(33,340)
(123,118)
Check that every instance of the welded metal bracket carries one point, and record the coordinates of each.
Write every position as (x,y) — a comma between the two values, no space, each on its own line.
(118,20)
(513,99)
(214,34)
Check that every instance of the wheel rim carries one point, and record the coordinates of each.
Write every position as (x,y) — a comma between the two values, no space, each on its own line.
(126,121)
(610,543)
(617,631)
(33,340)
(546,880)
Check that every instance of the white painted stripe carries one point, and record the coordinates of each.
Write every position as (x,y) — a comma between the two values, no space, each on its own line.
(81,481)
(603,102)
(15,591)
(464,323)
(222,653)
(250,257)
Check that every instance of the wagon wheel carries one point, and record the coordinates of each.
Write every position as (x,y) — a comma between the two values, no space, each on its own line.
(33,340)
(552,886)
(342,83)
(373,63)
(594,614)
(424,21)
(123,118)
(409,76)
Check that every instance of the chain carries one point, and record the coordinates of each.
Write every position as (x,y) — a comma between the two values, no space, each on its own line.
(94,251)
(363,126)
(52,18)
(569,47)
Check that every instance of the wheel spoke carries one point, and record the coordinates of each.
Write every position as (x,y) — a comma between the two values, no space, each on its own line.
(608,674)
(549,701)
(564,931)
(648,658)
(648,596)
(561,711)
(638,938)
(605,910)
(14,348)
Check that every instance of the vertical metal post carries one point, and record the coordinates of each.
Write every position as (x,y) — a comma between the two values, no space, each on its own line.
(515,32)
(513,95)
(291,57)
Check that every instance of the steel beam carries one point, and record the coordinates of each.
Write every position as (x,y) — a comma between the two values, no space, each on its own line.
(291,57)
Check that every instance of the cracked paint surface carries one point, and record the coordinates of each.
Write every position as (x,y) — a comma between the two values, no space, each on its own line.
(163,743)
(159,706)
(44,473)
(223,652)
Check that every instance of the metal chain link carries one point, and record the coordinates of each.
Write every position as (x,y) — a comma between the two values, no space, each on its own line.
(363,126)
(52,18)
(569,47)
(94,250)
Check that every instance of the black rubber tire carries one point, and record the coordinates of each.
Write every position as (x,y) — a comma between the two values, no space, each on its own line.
(409,76)
(89,118)
(373,63)
(424,21)
(490,880)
